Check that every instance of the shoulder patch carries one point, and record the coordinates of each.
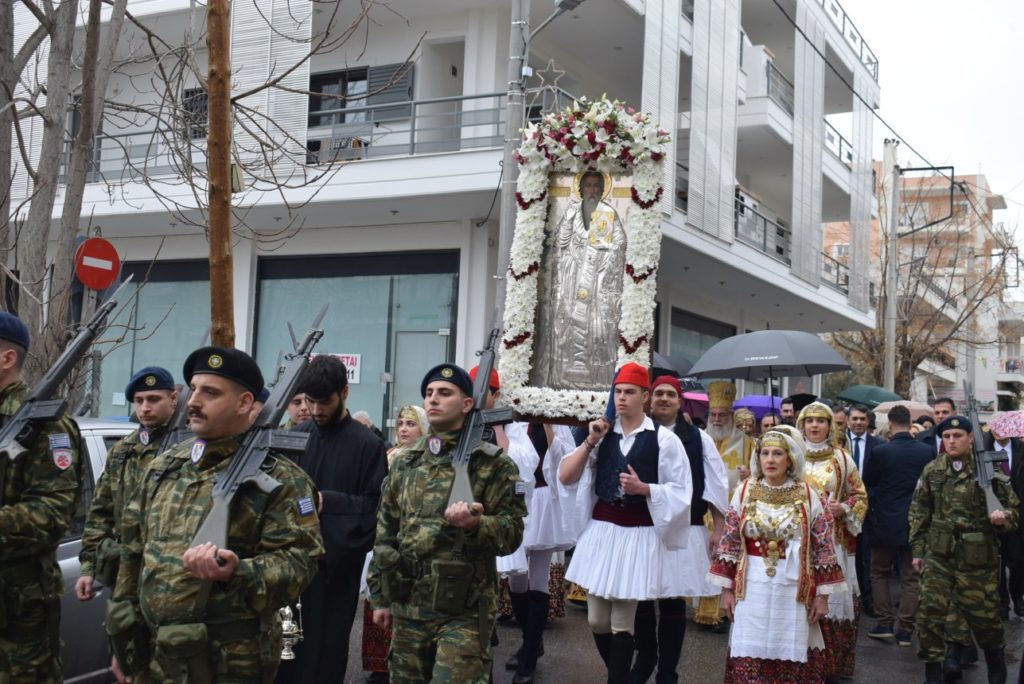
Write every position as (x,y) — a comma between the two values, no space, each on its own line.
(62,458)
(60,440)
(305,506)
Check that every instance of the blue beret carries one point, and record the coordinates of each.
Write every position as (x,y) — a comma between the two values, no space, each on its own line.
(263,395)
(232,364)
(448,372)
(954,422)
(149,378)
(13,330)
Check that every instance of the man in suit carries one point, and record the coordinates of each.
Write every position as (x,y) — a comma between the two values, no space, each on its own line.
(944,407)
(1011,544)
(862,443)
(891,474)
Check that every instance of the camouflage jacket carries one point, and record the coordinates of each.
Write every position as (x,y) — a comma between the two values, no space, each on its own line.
(276,536)
(410,520)
(126,463)
(951,499)
(41,488)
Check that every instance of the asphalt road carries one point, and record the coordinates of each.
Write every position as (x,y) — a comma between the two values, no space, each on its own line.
(570,656)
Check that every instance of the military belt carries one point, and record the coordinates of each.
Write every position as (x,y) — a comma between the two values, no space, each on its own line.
(236,630)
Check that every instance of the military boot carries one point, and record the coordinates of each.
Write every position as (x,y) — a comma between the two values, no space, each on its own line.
(996,661)
(952,666)
(933,673)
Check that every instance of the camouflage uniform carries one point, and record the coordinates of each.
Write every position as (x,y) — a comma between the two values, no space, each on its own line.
(442,627)
(126,463)
(276,536)
(950,530)
(40,495)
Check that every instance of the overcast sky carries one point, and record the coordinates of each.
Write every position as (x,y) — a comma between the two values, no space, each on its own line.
(952,85)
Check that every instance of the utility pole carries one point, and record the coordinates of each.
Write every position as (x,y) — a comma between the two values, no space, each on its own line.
(218,88)
(890,167)
(514,116)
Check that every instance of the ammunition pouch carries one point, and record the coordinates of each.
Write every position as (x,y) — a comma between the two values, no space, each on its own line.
(128,636)
(184,653)
(940,540)
(108,558)
(395,582)
(450,585)
(978,550)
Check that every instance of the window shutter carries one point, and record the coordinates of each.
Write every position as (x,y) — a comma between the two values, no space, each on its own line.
(390,83)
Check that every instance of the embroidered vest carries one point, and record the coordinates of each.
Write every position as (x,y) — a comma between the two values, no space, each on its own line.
(643,457)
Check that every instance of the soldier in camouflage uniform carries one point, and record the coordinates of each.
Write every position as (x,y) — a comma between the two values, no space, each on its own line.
(433,569)
(199,614)
(39,494)
(953,543)
(151,392)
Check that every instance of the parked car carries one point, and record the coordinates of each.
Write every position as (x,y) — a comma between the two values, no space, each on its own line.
(81,625)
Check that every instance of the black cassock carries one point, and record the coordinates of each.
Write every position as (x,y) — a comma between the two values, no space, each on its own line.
(346,462)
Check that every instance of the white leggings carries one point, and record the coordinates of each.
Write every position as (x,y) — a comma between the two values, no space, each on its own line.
(610,615)
(538,573)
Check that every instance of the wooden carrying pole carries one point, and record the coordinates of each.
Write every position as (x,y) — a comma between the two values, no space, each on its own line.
(222,307)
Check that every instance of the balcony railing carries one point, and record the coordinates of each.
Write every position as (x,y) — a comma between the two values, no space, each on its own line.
(852,36)
(780,90)
(123,157)
(835,274)
(838,145)
(1013,364)
(757,230)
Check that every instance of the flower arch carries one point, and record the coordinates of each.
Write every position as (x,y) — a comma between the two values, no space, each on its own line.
(603,136)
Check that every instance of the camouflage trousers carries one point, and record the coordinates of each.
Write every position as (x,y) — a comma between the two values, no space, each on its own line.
(953,594)
(27,651)
(446,649)
(232,662)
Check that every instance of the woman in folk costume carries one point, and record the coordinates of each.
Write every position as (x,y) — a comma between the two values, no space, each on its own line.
(777,567)
(628,487)
(410,425)
(833,471)
(736,448)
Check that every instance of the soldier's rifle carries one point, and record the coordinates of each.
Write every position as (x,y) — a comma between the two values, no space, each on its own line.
(987,463)
(477,419)
(263,437)
(40,406)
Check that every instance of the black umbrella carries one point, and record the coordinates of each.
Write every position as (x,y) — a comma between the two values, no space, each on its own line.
(670,365)
(768,354)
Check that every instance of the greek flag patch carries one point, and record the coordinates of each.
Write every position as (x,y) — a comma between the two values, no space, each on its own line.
(60,441)
(306,506)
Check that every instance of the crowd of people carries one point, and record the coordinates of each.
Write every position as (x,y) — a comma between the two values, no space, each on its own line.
(778,529)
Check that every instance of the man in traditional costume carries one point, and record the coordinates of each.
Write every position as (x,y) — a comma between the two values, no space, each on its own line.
(631,483)
(834,473)
(735,447)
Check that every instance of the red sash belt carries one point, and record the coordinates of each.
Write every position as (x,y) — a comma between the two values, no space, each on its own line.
(759,547)
(626,514)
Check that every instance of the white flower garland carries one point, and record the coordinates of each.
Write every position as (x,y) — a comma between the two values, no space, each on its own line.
(604,136)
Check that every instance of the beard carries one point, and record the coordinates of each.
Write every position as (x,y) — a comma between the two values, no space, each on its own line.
(720,432)
(588,206)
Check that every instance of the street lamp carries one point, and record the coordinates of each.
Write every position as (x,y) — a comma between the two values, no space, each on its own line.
(515,114)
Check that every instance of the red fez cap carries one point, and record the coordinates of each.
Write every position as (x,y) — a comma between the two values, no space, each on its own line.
(495,382)
(669,380)
(633,374)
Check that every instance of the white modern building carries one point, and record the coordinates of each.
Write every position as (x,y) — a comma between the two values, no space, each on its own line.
(399,232)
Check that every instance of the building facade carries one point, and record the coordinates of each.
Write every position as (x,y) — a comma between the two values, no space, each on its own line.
(371,170)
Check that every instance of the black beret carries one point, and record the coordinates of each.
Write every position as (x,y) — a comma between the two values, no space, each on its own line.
(448,372)
(13,330)
(263,395)
(955,422)
(149,378)
(232,364)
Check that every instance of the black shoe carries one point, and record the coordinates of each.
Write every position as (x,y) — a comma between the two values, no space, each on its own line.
(996,661)
(378,678)
(523,679)
(952,666)
(722,627)
(933,673)
(903,637)
(1004,612)
(881,631)
(1018,609)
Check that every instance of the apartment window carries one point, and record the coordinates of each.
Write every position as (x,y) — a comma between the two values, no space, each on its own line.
(195,108)
(692,335)
(841,249)
(340,92)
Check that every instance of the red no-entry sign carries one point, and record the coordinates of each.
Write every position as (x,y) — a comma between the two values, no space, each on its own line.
(97,263)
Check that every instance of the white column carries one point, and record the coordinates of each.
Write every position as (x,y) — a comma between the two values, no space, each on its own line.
(660,87)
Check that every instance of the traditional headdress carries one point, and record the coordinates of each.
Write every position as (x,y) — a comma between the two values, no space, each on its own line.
(742,415)
(786,437)
(721,394)
(815,409)
(416,413)
(633,374)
